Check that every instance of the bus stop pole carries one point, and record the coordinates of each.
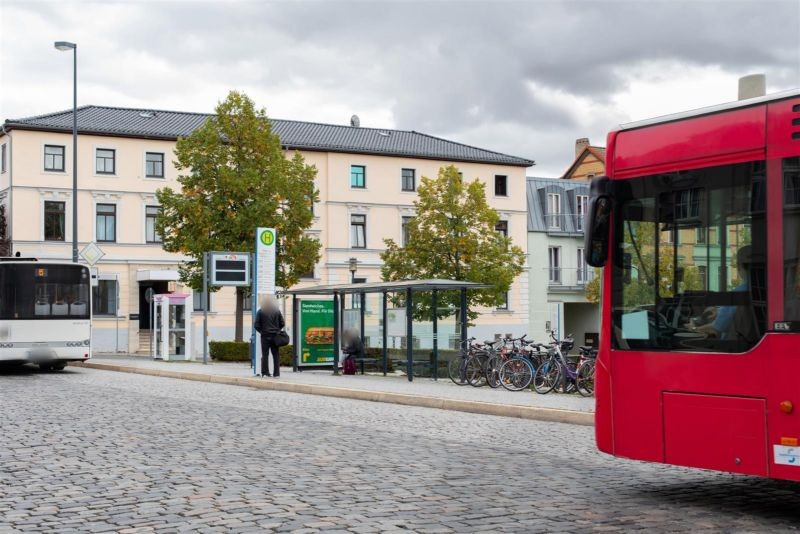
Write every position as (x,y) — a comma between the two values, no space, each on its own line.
(463,316)
(205,308)
(335,333)
(409,336)
(435,318)
(295,330)
(385,332)
(363,304)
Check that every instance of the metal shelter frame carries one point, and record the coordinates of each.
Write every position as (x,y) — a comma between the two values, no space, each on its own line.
(338,291)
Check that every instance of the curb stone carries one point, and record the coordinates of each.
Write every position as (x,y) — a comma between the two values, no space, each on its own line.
(553,415)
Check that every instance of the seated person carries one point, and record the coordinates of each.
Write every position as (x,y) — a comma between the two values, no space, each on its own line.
(722,317)
(353,345)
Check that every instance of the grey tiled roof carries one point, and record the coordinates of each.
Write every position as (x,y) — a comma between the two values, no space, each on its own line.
(298,135)
(537,190)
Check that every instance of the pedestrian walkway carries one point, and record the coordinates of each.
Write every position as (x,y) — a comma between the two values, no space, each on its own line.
(423,391)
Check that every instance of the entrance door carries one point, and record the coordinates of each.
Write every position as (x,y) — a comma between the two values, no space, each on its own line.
(144,307)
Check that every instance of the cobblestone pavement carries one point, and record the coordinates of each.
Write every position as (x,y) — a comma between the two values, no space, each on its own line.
(89,450)
(443,387)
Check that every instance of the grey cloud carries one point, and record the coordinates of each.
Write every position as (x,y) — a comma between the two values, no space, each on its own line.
(443,67)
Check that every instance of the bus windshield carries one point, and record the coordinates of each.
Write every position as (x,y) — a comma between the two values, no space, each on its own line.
(689,260)
(43,291)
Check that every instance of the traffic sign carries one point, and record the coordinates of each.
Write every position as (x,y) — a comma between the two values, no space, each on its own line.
(92,253)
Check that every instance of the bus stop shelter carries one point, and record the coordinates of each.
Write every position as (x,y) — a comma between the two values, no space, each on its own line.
(406,287)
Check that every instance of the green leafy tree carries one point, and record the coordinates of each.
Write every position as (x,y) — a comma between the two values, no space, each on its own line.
(235,177)
(454,236)
(5,242)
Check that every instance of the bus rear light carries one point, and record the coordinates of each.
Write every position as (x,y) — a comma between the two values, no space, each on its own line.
(789,442)
(787,406)
(85,355)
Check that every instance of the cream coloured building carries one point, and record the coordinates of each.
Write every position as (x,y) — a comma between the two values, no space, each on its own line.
(367,179)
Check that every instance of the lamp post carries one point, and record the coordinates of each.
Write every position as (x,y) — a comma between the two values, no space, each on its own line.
(65,46)
(353,263)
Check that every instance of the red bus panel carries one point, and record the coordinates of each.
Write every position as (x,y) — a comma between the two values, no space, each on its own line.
(723,138)
(716,432)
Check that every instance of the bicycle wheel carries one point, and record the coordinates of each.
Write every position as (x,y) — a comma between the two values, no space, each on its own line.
(456,369)
(516,374)
(546,377)
(585,380)
(475,371)
(492,371)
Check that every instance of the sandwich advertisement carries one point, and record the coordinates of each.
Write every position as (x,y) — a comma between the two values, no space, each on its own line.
(316,332)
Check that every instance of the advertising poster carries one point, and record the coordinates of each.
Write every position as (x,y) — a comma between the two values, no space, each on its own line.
(316,332)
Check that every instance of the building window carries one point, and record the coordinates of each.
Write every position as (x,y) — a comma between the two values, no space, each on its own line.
(701,235)
(582,204)
(3,158)
(197,301)
(500,185)
(154,164)
(554,210)
(409,180)
(54,220)
(502,227)
(150,215)
(107,222)
(555,265)
(358,176)
(104,298)
(582,274)
(309,275)
(702,271)
(247,302)
(53,158)
(105,160)
(358,231)
(504,303)
(404,231)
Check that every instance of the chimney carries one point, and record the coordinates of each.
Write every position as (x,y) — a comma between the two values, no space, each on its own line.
(355,122)
(752,86)
(580,144)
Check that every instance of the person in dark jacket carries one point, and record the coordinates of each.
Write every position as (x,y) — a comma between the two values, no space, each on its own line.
(269,322)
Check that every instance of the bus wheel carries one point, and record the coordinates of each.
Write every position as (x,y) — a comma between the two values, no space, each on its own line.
(58,366)
(45,366)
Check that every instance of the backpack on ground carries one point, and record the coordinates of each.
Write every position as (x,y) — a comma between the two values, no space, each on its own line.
(349,365)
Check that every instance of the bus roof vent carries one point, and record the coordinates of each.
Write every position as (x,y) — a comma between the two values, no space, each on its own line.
(752,86)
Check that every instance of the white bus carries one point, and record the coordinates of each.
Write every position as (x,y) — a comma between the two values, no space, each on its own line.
(45,313)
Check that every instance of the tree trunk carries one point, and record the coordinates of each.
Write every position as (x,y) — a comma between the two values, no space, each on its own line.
(239,313)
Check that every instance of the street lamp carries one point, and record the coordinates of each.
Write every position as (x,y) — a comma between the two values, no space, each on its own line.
(65,46)
(353,268)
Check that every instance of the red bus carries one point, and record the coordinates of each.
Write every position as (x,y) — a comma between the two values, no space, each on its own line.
(697,224)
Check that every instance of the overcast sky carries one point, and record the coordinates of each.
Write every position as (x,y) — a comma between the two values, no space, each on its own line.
(524,78)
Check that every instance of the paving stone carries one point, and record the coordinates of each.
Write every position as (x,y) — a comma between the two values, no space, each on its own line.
(100,451)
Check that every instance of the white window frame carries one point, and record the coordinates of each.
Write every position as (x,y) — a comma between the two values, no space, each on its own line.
(44,202)
(554,267)
(581,206)
(3,158)
(582,273)
(554,211)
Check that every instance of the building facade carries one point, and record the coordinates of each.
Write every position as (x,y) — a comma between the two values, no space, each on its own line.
(590,161)
(367,180)
(558,277)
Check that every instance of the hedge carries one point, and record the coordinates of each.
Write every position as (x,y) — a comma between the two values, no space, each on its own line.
(239,351)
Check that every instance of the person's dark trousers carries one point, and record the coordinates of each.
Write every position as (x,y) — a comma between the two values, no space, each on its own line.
(267,345)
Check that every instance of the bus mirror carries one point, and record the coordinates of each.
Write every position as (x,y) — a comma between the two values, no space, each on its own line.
(598,222)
